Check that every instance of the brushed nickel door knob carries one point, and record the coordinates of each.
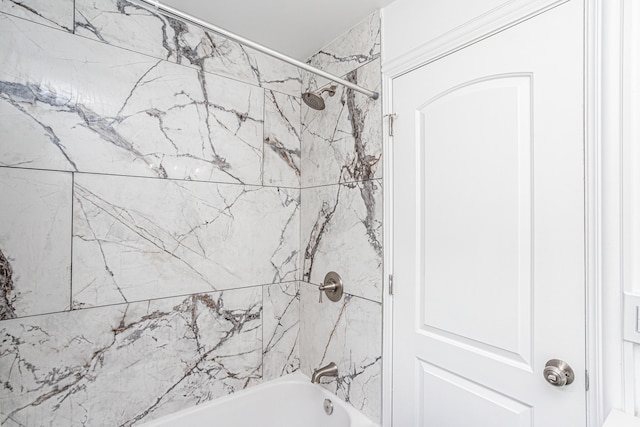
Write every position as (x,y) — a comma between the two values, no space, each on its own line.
(558,373)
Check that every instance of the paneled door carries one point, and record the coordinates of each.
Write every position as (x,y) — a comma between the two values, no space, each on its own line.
(489,244)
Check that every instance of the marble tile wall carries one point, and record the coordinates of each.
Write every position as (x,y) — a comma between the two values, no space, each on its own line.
(341,220)
(281,333)
(149,215)
(282,139)
(158,356)
(172,190)
(342,230)
(125,364)
(358,46)
(343,142)
(347,333)
(131,245)
(35,236)
(57,14)
(122,23)
(84,108)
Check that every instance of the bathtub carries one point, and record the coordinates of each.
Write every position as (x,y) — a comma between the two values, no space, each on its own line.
(290,401)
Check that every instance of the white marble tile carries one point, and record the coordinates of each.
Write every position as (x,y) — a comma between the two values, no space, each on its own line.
(358,46)
(85,106)
(341,231)
(57,14)
(139,238)
(281,140)
(235,123)
(281,325)
(35,242)
(126,364)
(343,142)
(348,333)
(275,74)
(124,24)
(128,25)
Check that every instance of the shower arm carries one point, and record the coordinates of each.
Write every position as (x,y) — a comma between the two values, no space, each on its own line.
(182,16)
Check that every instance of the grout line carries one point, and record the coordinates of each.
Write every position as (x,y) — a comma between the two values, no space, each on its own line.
(341,183)
(301,216)
(350,294)
(264,117)
(301,242)
(73,194)
(144,301)
(262,330)
(148,177)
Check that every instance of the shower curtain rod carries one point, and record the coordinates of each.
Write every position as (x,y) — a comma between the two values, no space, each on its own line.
(182,16)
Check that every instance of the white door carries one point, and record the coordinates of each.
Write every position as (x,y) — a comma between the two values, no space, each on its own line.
(488,226)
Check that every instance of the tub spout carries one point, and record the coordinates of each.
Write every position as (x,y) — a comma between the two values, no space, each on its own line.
(331,370)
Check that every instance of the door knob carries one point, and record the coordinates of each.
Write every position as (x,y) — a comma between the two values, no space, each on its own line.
(558,373)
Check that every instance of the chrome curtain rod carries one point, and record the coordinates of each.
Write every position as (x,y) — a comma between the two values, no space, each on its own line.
(182,16)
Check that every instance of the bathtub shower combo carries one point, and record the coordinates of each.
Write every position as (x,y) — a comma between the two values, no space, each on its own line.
(141,296)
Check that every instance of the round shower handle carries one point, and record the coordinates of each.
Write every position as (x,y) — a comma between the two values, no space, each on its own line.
(332,287)
(558,373)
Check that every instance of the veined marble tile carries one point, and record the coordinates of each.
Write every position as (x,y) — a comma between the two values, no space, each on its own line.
(341,231)
(281,140)
(348,333)
(124,24)
(235,122)
(84,106)
(57,14)
(35,242)
(138,238)
(273,73)
(281,314)
(358,46)
(343,142)
(130,363)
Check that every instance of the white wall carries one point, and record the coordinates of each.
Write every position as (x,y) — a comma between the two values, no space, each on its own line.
(410,23)
(416,30)
(631,185)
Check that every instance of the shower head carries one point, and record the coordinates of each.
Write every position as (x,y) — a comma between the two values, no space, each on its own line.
(315,100)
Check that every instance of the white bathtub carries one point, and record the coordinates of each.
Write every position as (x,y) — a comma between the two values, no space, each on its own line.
(291,401)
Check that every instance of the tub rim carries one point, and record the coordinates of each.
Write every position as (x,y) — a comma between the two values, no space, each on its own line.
(357,418)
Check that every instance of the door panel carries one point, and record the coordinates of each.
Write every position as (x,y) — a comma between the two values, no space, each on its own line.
(488,230)
(476,402)
(478,194)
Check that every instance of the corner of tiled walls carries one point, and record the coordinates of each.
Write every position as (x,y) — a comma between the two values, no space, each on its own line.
(341,220)
(149,214)
(167,209)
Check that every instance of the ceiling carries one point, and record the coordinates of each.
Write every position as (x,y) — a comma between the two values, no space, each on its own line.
(298,28)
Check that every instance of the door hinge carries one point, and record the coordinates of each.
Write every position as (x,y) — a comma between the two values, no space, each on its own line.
(391,284)
(586,380)
(391,118)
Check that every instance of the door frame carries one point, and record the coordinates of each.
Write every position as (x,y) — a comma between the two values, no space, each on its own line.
(603,67)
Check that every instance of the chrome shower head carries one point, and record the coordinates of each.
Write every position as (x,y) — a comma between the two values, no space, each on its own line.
(315,100)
